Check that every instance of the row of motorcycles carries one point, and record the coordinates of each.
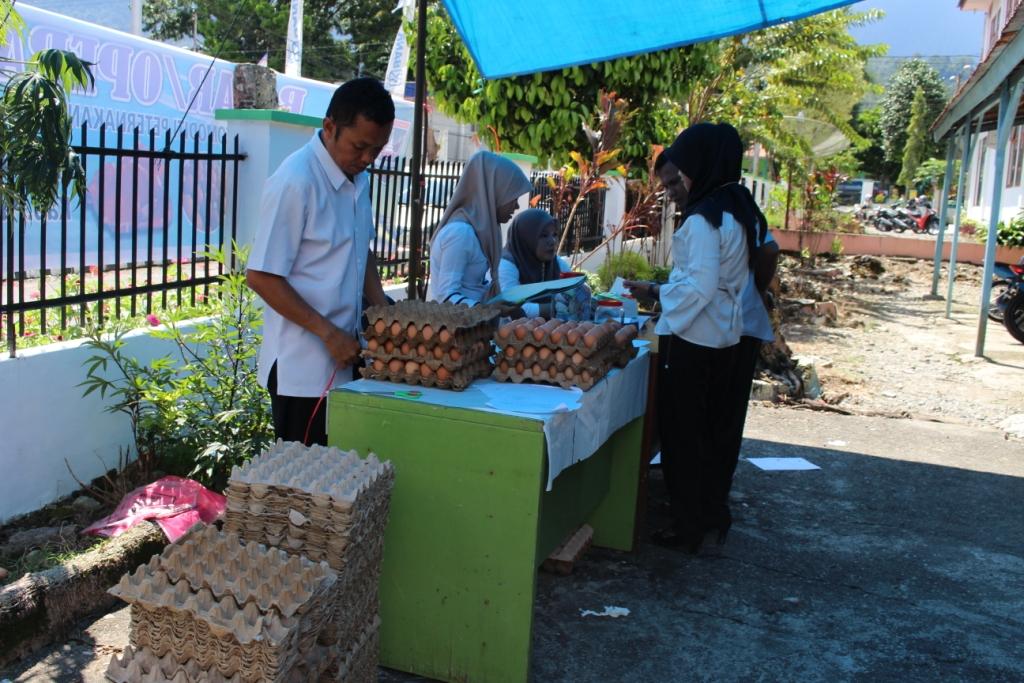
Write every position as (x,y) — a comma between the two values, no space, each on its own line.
(1007,304)
(915,215)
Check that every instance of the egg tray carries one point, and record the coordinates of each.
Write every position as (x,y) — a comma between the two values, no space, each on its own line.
(467,355)
(463,338)
(176,634)
(336,553)
(333,478)
(456,318)
(559,377)
(358,664)
(560,359)
(141,665)
(459,379)
(611,328)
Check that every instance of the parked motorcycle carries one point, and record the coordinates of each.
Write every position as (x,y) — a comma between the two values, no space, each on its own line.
(919,217)
(1013,311)
(1002,285)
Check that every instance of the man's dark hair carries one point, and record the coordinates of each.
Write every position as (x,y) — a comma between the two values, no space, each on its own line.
(361,97)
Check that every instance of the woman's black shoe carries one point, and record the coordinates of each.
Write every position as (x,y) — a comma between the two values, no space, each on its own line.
(670,538)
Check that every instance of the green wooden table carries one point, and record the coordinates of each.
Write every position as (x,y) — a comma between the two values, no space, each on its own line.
(470,523)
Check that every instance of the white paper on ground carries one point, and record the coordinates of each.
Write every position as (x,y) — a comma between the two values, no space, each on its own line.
(783,464)
(609,611)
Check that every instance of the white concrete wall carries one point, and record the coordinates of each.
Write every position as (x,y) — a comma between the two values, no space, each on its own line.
(44,420)
(1013,197)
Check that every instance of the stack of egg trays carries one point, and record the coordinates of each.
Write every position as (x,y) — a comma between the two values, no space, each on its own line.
(358,664)
(327,505)
(141,665)
(429,343)
(235,608)
(522,356)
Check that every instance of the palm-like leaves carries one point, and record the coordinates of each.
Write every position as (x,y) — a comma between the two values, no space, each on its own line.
(35,130)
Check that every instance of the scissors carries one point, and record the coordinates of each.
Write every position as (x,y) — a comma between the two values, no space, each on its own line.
(401,393)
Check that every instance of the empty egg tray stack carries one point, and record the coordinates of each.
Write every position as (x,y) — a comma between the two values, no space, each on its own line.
(327,505)
(429,343)
(563,353)
(214,608)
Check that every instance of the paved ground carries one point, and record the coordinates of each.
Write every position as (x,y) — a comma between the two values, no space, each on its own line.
(902,558)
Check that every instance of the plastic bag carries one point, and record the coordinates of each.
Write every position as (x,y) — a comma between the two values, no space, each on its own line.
(175,503)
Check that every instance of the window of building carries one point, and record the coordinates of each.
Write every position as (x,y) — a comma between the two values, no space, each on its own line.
(1015,157)
(982,160)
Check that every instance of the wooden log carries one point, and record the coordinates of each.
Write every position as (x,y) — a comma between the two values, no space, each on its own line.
(42,607)
(565,556)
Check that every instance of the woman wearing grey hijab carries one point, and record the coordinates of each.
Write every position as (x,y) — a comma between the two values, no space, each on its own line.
(466,248)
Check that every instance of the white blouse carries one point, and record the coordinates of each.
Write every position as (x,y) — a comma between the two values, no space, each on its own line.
(459,271)
(508,275)
(701,302)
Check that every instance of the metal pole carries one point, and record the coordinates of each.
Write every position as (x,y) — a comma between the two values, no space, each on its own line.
(789,198)
(1008,104)
(416,229)
(964,161)
(136,9)
(943,198)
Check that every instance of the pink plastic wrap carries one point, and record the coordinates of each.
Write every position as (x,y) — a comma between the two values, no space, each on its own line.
(176,504)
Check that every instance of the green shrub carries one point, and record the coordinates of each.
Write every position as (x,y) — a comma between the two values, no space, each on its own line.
(630,265)
(203,411)
(1007,234)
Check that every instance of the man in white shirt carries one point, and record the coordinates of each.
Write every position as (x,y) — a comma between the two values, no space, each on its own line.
(311,261)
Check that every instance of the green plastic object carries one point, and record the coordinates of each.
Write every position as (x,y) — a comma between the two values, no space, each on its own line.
(470,523)
(520,294)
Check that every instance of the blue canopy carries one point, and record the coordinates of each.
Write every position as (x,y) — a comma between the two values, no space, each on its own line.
(513,37)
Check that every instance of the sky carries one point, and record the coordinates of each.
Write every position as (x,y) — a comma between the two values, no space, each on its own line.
(923,27)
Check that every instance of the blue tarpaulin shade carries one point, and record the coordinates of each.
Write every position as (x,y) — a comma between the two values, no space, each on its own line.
(513,37)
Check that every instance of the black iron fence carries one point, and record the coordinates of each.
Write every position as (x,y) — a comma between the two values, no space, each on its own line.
(589,217)
(390,183)
(139,243)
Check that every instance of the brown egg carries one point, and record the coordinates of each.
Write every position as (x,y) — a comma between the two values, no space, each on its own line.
(427,332)
(503,365)
(577,358)
(537,370)
(510,352)
(529,351)
(552,372)
(569,373)
(444,335)
(455,354)
(443,374)
(421,350)
(406,348)
(438,353)
(425,371)
(380,326)
(411,331)
(412,367)
(379,365)
(544,353)
(389,346)
(395,365)
(520,367)
(396,328)
(521,331)
(560,356)
(372,344)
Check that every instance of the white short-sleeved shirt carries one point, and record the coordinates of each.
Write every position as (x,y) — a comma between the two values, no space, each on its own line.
(701,300)
(459,271)
(315,230)
(756,322)
(508,275)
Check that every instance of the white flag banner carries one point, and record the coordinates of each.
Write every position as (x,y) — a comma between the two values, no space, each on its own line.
(293,47)
(398,65)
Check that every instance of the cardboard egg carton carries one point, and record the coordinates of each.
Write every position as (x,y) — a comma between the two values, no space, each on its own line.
(358,663)
(452,357)
(402,345)
(572,337)
(456,380)
(416,321)
(565,378)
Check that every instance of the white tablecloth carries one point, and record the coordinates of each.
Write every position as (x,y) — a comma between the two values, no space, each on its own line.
(576,423)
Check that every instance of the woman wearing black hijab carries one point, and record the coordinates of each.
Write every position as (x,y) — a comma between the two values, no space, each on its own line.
(700,327)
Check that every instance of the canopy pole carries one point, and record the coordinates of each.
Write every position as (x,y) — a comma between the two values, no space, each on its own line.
(964,161)
(943,210)
(416,227)
(1008,104)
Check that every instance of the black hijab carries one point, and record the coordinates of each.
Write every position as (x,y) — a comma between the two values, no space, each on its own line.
(711,155)
(521,248)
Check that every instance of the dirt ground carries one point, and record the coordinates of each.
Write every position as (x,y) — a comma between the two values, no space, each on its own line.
(892,349)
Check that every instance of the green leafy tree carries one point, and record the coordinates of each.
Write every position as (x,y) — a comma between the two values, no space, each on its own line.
(35,128)
(870,153)
(811,66)
(543,113)
(897,103)
(917,140)
(340,39)
(929,175)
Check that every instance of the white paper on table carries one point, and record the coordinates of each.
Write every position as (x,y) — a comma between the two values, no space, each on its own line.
(782,464)
(618,288)
(531,398)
